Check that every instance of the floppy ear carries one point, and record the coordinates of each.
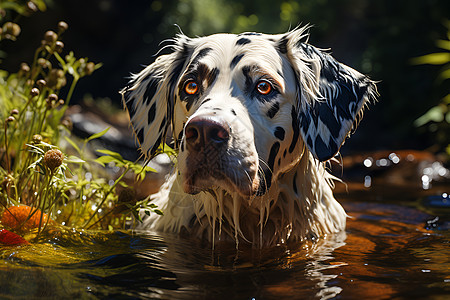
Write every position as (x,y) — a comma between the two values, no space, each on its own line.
(149,97)
(331,96)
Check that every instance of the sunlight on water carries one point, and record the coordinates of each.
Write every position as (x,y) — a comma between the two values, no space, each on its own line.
(387,251)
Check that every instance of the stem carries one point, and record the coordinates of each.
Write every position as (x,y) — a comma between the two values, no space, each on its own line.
(72,87)
(48,183)
(8,168)
(127,168)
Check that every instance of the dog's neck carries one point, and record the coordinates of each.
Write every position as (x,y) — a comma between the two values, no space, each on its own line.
(299,205)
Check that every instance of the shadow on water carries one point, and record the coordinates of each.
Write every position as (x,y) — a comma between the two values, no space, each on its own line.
(394,247)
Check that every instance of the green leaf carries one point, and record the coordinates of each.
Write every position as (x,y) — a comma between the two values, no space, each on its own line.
(432,59)
(74,159)
(443,44)
(73,144)
(149,169)
(111,153)
(103,160)
(435,114)
(97,135)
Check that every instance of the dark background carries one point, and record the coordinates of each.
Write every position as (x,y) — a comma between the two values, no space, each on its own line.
(378,38)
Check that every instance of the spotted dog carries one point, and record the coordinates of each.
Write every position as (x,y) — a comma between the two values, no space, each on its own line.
(253,118)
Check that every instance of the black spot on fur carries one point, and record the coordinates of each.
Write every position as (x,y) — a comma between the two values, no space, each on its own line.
(327,117)
(189,103)
(236,60)
(217,108)
(294,183)
(248,78)
(309,142)
(233,112)
(150,91)
(206,100)
(324,151)
(268,173)
(279,133)
(296,128)
(279,161)
(140,135)
(156,145)
(282,45)
(163,124)
(284,153)
(250,33)
(151,113)
(129,101)
(212,75)
(243,41)
(202,53)
(273,110)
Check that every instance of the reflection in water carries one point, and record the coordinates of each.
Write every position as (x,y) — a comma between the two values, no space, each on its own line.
(385,253)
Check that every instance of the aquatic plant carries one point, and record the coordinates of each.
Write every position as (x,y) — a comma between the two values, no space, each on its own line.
(37,181)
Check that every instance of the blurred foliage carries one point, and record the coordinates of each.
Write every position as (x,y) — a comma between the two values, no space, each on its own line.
(438,117)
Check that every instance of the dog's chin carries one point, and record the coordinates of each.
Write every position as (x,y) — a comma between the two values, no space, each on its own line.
(194,184)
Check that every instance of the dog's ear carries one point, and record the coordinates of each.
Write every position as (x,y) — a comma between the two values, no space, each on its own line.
(150,96)
(331,95)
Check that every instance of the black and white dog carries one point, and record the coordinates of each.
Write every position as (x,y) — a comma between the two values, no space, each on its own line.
(254,117)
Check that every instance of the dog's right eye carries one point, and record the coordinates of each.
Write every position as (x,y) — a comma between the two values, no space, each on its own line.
(191,87)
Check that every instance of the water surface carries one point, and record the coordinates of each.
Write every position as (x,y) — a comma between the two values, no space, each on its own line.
(389,250)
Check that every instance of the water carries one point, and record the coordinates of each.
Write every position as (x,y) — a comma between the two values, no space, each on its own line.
(389,250)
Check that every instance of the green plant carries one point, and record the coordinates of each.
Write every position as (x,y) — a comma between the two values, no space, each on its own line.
(34,171)
(438,117)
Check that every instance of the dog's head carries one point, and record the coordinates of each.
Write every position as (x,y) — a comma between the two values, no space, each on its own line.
(244,108)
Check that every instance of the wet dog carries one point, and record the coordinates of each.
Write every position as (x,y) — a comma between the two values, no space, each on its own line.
(253,118)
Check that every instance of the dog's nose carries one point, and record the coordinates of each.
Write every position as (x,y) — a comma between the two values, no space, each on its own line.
(202,131)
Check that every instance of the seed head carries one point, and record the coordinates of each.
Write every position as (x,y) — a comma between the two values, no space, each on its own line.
(52,97)
(24,68)
(12,29)
(50,37)
(59,46)
(90,68)
(34,92)
(37,139)
(44,63)
(15,111)
(32,7)
(53,158)
(41,83)
(62,26)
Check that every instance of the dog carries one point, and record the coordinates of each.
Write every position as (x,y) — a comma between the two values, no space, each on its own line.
(254,119)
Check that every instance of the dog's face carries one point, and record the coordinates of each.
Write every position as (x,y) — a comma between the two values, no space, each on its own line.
(243,109)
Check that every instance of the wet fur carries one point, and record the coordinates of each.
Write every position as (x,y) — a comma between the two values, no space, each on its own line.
(274,187)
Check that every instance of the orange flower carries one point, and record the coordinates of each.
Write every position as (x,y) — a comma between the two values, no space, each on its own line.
(15,217)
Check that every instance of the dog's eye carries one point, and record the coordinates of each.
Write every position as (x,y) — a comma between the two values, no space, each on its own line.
(264,87)
(191,87)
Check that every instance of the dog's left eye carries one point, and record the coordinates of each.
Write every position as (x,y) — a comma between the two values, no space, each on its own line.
(264,87)
(191,87)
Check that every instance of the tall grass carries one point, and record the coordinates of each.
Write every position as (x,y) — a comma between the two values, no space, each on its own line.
(35,172)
